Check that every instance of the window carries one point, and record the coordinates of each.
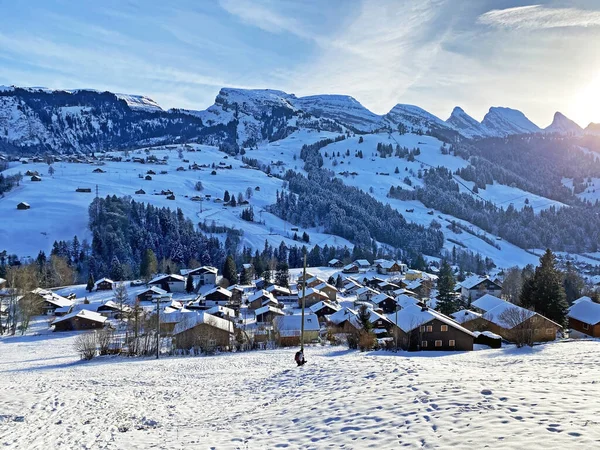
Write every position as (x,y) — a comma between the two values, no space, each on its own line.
(429,328)
(308,320)
(444,328)
(451,343)
(423,344)
(422,329)
(438,343)
(550,331)
(586,326)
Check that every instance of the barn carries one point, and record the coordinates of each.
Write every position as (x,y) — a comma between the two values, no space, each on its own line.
(79,320)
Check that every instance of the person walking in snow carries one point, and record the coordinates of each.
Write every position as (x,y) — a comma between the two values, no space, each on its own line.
(299,358)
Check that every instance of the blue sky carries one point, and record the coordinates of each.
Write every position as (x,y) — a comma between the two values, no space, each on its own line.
(538,57)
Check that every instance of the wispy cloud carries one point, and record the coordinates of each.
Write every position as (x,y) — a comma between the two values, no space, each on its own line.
(540,17)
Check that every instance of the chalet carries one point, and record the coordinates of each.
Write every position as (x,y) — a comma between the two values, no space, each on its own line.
(113,310)
(150,172)
(48,301)
(140,192)
(421,328)
(386,286)
(266,314)
(324,308)
(171,197)
(351,268)
(311,296)
(390,267)
(152,294)
(288,329)
(373,282)
(404,301)
(510,321)
(340,321)
(180,169)
(363,264)
(584,316)
(261,298)
(327,289)
(202,275)
(98,170)
(223,312)
(365,294)
(335,263)
(36,178)
(104,284)
(236,294)
(465,315)
(412,275)
(302,277)
(169,283)
(148,178)
(23,205)
(351,286)
(31,173)
(283,294)
(475,287)
(386,303)
(79,320)
(203,331)
(217,296)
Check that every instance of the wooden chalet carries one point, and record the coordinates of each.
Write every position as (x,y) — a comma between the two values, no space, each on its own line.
(262,298)
(266,314)
(169,282)
(23,205)
(217,296)
(202,275)
(335,263)
(203,331)
(287,329)
(386,303)
(104,284)
(475,287)
(36,178)
(79,320)
(584,316)
(324,309)
(312,296)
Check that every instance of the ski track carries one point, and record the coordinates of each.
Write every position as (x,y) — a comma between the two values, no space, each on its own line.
(501,399)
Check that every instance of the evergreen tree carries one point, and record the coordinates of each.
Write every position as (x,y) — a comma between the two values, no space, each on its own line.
(572,283)
(446,300)
(544,291)
(282,276)
(116,269)
(189,284)
(90,283)
(230,270)
(339,282)
(226,197)
(364,318)
(149,264)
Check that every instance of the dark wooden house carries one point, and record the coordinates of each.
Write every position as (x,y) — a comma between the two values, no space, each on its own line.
(79,320)
(23,205)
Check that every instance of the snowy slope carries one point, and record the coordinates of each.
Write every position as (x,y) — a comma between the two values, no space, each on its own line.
(563,125)
(465,124)
(502,122)
(414,118)
(502,399)
(58,212)
(140,102)
(341,108)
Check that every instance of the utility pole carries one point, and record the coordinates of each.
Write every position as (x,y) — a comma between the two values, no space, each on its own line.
(303,305)
(157,326)
(396,330)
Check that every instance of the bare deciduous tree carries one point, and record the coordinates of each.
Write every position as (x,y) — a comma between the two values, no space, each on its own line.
(517,320)
(86,345)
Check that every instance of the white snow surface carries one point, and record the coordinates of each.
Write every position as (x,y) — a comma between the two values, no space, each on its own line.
(503,399)
(502,122)
(563,125)
(140,102)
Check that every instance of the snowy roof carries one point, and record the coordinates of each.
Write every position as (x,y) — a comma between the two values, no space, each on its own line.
(312,291)
(281,289)
(154,289)
(51,297)
(262,294)
(320,287)
(83,314)
(487,302)
(472,282)
(113,305)
(496,315)
(268,308)
(414,316)
(191,320)
(199,270)
(220,290)
(584,311)
(386,264)
(380,297)
(342,315)
(362,263)
(294,323)
(159,278)
(322,304)
(334,261)
(2,280)
(465,316)
(63,309)
(221,309)
(313,279)
(350,266)
(175,316)
(414,284)
(585,298)
(404,300)
(364,290)
(101,280)
(373,316)
(488,334)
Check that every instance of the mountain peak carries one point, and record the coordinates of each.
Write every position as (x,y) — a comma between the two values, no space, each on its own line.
(465,124)
(502,121)
(563,125)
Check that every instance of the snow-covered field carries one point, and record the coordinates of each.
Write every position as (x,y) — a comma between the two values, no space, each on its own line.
(509,398)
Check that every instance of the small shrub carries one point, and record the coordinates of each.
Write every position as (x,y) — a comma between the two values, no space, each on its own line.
(86,345)
(366,341)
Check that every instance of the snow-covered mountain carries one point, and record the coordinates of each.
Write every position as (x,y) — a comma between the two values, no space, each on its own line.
(502,122)
(411,118)
(563,125)
(343,109)
(466,125)
(593,128)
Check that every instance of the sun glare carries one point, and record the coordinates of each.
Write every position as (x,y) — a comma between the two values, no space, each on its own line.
(586,105)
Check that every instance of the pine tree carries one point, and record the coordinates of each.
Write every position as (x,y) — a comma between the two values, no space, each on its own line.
(226,197)
(230,271)
(572,283)
(282,276)
(339,282)
(364,318)
(116,269)
(189,284)
(446,300)
(149,264)
(90,283)
(544,291)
